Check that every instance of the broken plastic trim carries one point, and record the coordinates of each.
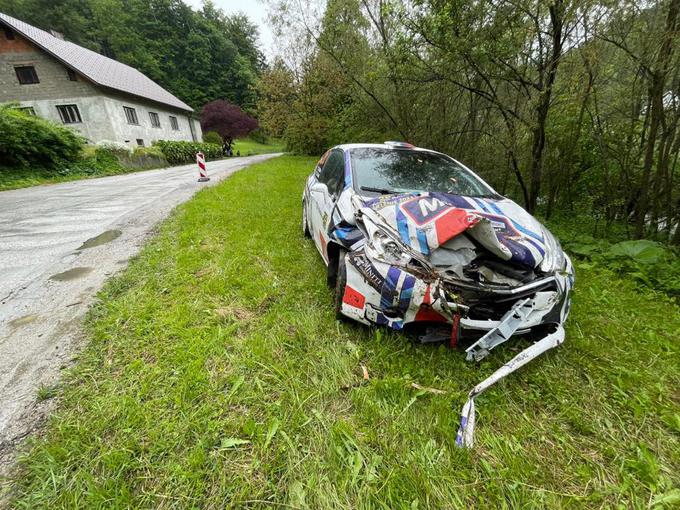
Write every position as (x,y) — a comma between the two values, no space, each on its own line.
(513,320)
(466,432)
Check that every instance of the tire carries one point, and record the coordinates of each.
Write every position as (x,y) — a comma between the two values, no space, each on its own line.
(340,284)
(305,226)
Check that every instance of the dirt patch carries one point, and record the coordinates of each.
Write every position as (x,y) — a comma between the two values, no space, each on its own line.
(20,321)
(235,313)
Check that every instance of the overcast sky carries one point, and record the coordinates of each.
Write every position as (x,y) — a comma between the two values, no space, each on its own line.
(256,12)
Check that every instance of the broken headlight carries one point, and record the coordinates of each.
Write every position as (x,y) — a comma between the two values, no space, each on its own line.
(554,259)
(389,249)
(383,247)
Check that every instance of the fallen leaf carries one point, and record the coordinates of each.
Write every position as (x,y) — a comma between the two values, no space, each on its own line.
(231,442)
(365,372)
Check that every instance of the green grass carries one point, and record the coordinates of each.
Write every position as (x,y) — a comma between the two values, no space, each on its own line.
(47,392)
(217,377)
(14,178)
(250,147)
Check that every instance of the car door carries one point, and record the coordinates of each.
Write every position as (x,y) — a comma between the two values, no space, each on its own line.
(323,194)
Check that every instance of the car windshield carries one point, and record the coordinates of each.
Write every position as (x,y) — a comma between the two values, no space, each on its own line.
(378,170)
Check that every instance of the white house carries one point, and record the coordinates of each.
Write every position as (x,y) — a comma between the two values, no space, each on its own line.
(100,97)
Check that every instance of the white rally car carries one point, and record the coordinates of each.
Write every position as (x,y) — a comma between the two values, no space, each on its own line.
(413,237)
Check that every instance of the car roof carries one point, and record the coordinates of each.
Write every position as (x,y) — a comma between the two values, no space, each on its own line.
(396,146)
(391,145)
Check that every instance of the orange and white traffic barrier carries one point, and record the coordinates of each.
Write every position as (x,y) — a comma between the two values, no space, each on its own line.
(202,172)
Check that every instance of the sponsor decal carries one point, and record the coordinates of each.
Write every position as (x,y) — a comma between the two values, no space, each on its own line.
(387,200)
(368,271)
(353,298)
(424,209)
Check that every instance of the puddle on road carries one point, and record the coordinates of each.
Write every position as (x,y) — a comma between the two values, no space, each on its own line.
(71,274)
(103,238)
(20,321)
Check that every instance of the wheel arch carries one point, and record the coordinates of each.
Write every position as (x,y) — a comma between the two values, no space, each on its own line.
(333,251)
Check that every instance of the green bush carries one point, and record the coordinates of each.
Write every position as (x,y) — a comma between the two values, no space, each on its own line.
(185,152)
(27,140)
(647,262)
(212,137)
(259,136)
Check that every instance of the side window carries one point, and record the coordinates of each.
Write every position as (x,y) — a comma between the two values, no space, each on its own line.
(333,172)
(321,162)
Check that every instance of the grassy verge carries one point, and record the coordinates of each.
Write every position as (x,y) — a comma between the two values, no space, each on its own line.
(14,178)
(249,147)
(217,377)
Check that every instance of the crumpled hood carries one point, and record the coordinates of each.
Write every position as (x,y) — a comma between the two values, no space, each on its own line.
(426,221)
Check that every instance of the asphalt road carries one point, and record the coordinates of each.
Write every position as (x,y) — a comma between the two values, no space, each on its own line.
(58,244)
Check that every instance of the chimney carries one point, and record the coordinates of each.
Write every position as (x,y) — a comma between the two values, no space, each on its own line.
(56,34)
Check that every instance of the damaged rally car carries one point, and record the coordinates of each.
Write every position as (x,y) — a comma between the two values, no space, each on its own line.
(412,236)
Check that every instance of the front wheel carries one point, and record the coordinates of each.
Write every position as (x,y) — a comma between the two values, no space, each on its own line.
(305,225)
(340,284)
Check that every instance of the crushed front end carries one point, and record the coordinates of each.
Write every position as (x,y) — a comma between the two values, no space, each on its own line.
(482,271)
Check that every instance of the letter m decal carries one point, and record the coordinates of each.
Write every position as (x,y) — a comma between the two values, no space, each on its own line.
(424,209)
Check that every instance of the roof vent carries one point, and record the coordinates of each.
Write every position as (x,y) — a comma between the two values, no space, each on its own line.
(56,34)
(400,145)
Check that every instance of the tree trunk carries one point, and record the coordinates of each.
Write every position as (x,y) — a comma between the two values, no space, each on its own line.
(656,93)
(538,144)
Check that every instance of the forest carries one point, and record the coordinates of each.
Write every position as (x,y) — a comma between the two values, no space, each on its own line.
(571,107)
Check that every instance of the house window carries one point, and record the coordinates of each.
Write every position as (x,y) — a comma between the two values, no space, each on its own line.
(173,123)
(140,142)
(72,75)
(155,120)
(26,75)
(28,109)
(69,114)
(9,34)
(131,115)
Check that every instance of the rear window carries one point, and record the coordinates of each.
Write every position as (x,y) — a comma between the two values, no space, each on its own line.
(378,170)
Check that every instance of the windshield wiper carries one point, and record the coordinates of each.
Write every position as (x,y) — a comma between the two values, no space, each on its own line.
(382,191)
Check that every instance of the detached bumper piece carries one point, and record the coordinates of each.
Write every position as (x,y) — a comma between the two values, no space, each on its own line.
(509,324)
(465,435)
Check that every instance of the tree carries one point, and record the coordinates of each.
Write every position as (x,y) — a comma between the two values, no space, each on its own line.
(227,120)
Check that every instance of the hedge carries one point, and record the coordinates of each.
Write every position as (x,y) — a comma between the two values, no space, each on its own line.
(185,152)
(27,140)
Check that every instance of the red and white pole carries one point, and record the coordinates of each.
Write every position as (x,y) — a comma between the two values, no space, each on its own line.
(202,172)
